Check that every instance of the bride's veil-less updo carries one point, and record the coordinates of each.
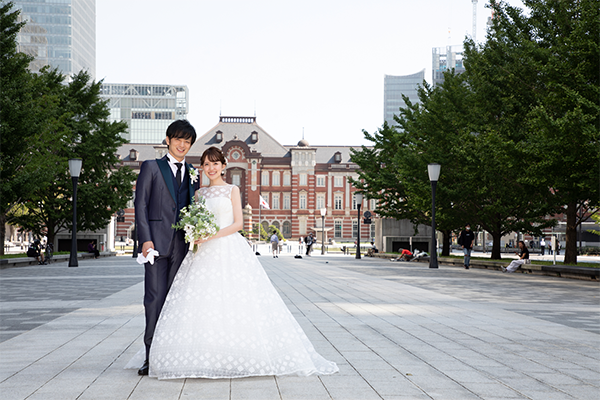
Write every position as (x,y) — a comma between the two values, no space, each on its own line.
(213,154)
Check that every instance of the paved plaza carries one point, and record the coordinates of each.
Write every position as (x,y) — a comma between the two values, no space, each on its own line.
(396,330)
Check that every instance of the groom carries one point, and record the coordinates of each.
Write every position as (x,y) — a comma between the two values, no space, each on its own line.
(163,188)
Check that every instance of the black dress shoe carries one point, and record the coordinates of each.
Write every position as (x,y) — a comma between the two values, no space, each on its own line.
(145,368)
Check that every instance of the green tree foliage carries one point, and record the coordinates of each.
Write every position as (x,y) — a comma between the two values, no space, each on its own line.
(85,134)
(29,123)
(544,66)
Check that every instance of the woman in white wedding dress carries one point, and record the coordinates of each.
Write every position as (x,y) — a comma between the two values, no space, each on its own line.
(222,317)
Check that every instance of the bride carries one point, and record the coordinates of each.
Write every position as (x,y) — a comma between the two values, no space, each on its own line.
(222,317)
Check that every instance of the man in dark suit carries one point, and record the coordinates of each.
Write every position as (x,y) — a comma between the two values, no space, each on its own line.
(163,188)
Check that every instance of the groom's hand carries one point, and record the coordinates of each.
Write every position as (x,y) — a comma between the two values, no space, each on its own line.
(147,246)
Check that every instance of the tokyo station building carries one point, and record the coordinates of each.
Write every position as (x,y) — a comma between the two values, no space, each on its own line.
(297,181)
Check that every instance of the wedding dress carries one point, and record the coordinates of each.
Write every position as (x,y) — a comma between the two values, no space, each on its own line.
(223,318)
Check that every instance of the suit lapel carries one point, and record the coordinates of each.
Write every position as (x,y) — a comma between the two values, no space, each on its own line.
(167,174)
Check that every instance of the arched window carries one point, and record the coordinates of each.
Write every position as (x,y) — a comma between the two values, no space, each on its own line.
(287,229)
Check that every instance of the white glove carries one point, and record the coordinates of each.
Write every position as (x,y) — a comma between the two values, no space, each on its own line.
(149,258)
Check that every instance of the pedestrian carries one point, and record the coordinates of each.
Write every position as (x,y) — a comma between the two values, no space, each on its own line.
(163,188)
(406,255)
(309,243)
(35,250)
(274,244)
(92,249)
(466,239)
(542,245)
(523,258)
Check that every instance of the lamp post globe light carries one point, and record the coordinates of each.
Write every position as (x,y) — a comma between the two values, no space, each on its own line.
(323,212)
(359,199)
(75,170)
(434,174)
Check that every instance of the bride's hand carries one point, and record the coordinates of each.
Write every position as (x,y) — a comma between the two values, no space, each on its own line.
(202,240)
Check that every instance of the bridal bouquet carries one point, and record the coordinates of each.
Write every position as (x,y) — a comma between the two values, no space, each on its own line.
(197,221)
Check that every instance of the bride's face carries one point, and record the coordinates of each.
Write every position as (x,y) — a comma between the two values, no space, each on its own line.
(213,169)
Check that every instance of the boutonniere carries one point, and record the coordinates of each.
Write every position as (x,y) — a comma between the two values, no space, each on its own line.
(193,174)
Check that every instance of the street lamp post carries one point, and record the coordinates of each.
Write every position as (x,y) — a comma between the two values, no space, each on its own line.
(75,170)
(434,174)
(359,199)
(323,212)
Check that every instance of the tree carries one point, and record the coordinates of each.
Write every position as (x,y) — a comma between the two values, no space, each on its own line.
(27,123)
(546,63)
(86,134)
(394,171)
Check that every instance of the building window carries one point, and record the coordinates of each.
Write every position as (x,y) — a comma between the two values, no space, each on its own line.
(373,204)
(302,201)
(287,179)
(354,229)
(337,201)
(337,231)
(320,200)
(236,179)
(338,181)
(321,180)
(275,205)
(275,178)
(372,230)
(286,201)
(254,137)
(302,179)
(265,178)
(276,225)
(302,226)
(219,137)
(141,115)
(163,115)
(337,157)
(286,229)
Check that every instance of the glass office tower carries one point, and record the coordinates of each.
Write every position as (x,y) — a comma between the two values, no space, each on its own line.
(444,59)
(147,109)
(60,33)
(393,89)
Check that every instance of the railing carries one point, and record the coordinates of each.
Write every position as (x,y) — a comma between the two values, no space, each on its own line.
(239,120)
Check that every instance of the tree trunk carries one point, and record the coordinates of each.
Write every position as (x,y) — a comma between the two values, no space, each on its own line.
(496,236)
(2,232)
(446,242)
(571,235)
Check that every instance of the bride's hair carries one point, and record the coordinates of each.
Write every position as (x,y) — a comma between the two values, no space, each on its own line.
(213,154)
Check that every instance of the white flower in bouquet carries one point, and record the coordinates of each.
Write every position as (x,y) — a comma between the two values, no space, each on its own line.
(197,222)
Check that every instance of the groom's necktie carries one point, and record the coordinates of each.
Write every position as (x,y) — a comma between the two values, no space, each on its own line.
(178,176)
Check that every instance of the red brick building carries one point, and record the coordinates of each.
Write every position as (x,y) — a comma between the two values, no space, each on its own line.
(297,181)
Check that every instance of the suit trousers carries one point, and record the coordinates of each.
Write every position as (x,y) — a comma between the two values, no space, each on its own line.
(157,282)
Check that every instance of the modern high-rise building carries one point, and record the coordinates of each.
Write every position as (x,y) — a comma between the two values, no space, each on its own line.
(59,33)
(444,59)
(147,109)
(393,89)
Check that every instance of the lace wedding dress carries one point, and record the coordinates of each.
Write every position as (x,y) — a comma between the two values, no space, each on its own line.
(224,319)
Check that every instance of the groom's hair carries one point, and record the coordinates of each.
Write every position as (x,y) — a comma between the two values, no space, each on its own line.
(181,129)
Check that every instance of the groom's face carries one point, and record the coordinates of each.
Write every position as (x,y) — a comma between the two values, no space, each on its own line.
(178,147)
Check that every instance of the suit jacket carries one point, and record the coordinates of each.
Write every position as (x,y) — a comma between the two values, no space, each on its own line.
(155,203)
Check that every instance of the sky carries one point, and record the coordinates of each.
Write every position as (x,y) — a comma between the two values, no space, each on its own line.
(312,68)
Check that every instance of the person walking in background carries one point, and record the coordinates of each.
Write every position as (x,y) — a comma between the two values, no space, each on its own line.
(466,239)
(274,244)
(523,258)
(542,245)
(309,243)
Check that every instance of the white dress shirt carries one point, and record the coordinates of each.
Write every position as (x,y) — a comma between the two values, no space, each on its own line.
(172,162)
